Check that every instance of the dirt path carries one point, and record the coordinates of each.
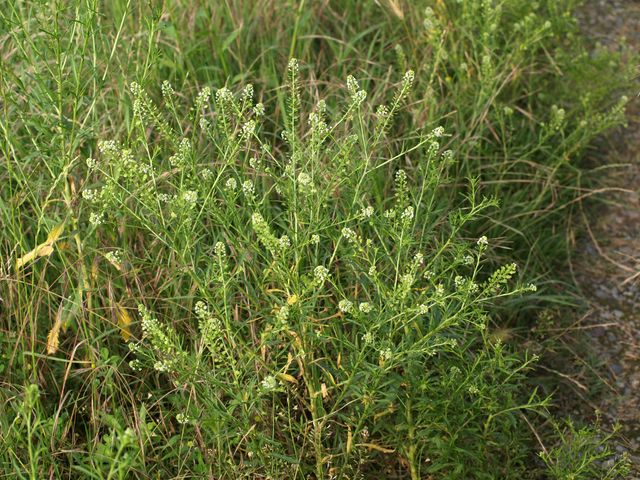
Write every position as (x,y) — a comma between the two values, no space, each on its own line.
(607,263)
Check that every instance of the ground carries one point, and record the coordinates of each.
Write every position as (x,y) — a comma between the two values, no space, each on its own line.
(607,261)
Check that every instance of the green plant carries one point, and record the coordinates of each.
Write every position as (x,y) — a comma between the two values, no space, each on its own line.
(584,453)
(29,432)
(325,296)
(182,203)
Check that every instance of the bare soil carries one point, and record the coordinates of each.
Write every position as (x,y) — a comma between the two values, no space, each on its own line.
(606,262)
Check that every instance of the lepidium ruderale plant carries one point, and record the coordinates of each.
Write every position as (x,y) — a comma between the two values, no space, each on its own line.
(308,305)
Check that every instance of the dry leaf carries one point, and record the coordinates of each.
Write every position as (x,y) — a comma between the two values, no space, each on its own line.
(53,338)
(43,250)
(55,233)
(373,446)
(287,378)
(124,322)
(396,9)
(323,389)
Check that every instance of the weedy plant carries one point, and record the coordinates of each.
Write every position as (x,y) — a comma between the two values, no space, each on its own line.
(307,288)
(325,313)
(486,63)
(584,453)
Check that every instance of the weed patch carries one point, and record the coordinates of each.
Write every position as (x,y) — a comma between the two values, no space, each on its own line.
(301,277)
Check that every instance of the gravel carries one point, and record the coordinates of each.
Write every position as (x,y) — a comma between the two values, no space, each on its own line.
(606,268)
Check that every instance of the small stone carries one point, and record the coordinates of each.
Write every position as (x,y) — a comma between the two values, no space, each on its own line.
(616,369)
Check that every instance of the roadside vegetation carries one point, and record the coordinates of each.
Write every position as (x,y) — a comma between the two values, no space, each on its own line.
(281,239)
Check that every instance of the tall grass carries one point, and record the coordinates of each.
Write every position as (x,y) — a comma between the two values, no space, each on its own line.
(222,262)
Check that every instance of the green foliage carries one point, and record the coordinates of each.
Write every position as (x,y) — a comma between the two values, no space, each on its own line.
(301,278)
(584,453)
(28,435)
(320,309)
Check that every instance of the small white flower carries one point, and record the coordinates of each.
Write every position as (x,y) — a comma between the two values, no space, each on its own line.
(114,257)
(423,309)
(181,157)
(283,314)
(269,383)
(293,65)
(284,242)
(345,306)
(258,110)
(407,279)
(408,78)
(183,419)
(190,197)
(288,170)
(89,194)
(391,213)
(349,235)
(108,147)
(408,213)
(247,92)
(382,112)
(429,21)
(223,94)
(247,188)
(96,219)
(167,89)
(368,338)
(201,309)
(483,241)
(203,96)
(254,162)
(359,97)
(220,249)
(352,85)
(320,273)
(135,88)
(231,184)
(161,366)
(248,128)
(315,239)
(135,364)
(304,179)
(365,307)
(367,212)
